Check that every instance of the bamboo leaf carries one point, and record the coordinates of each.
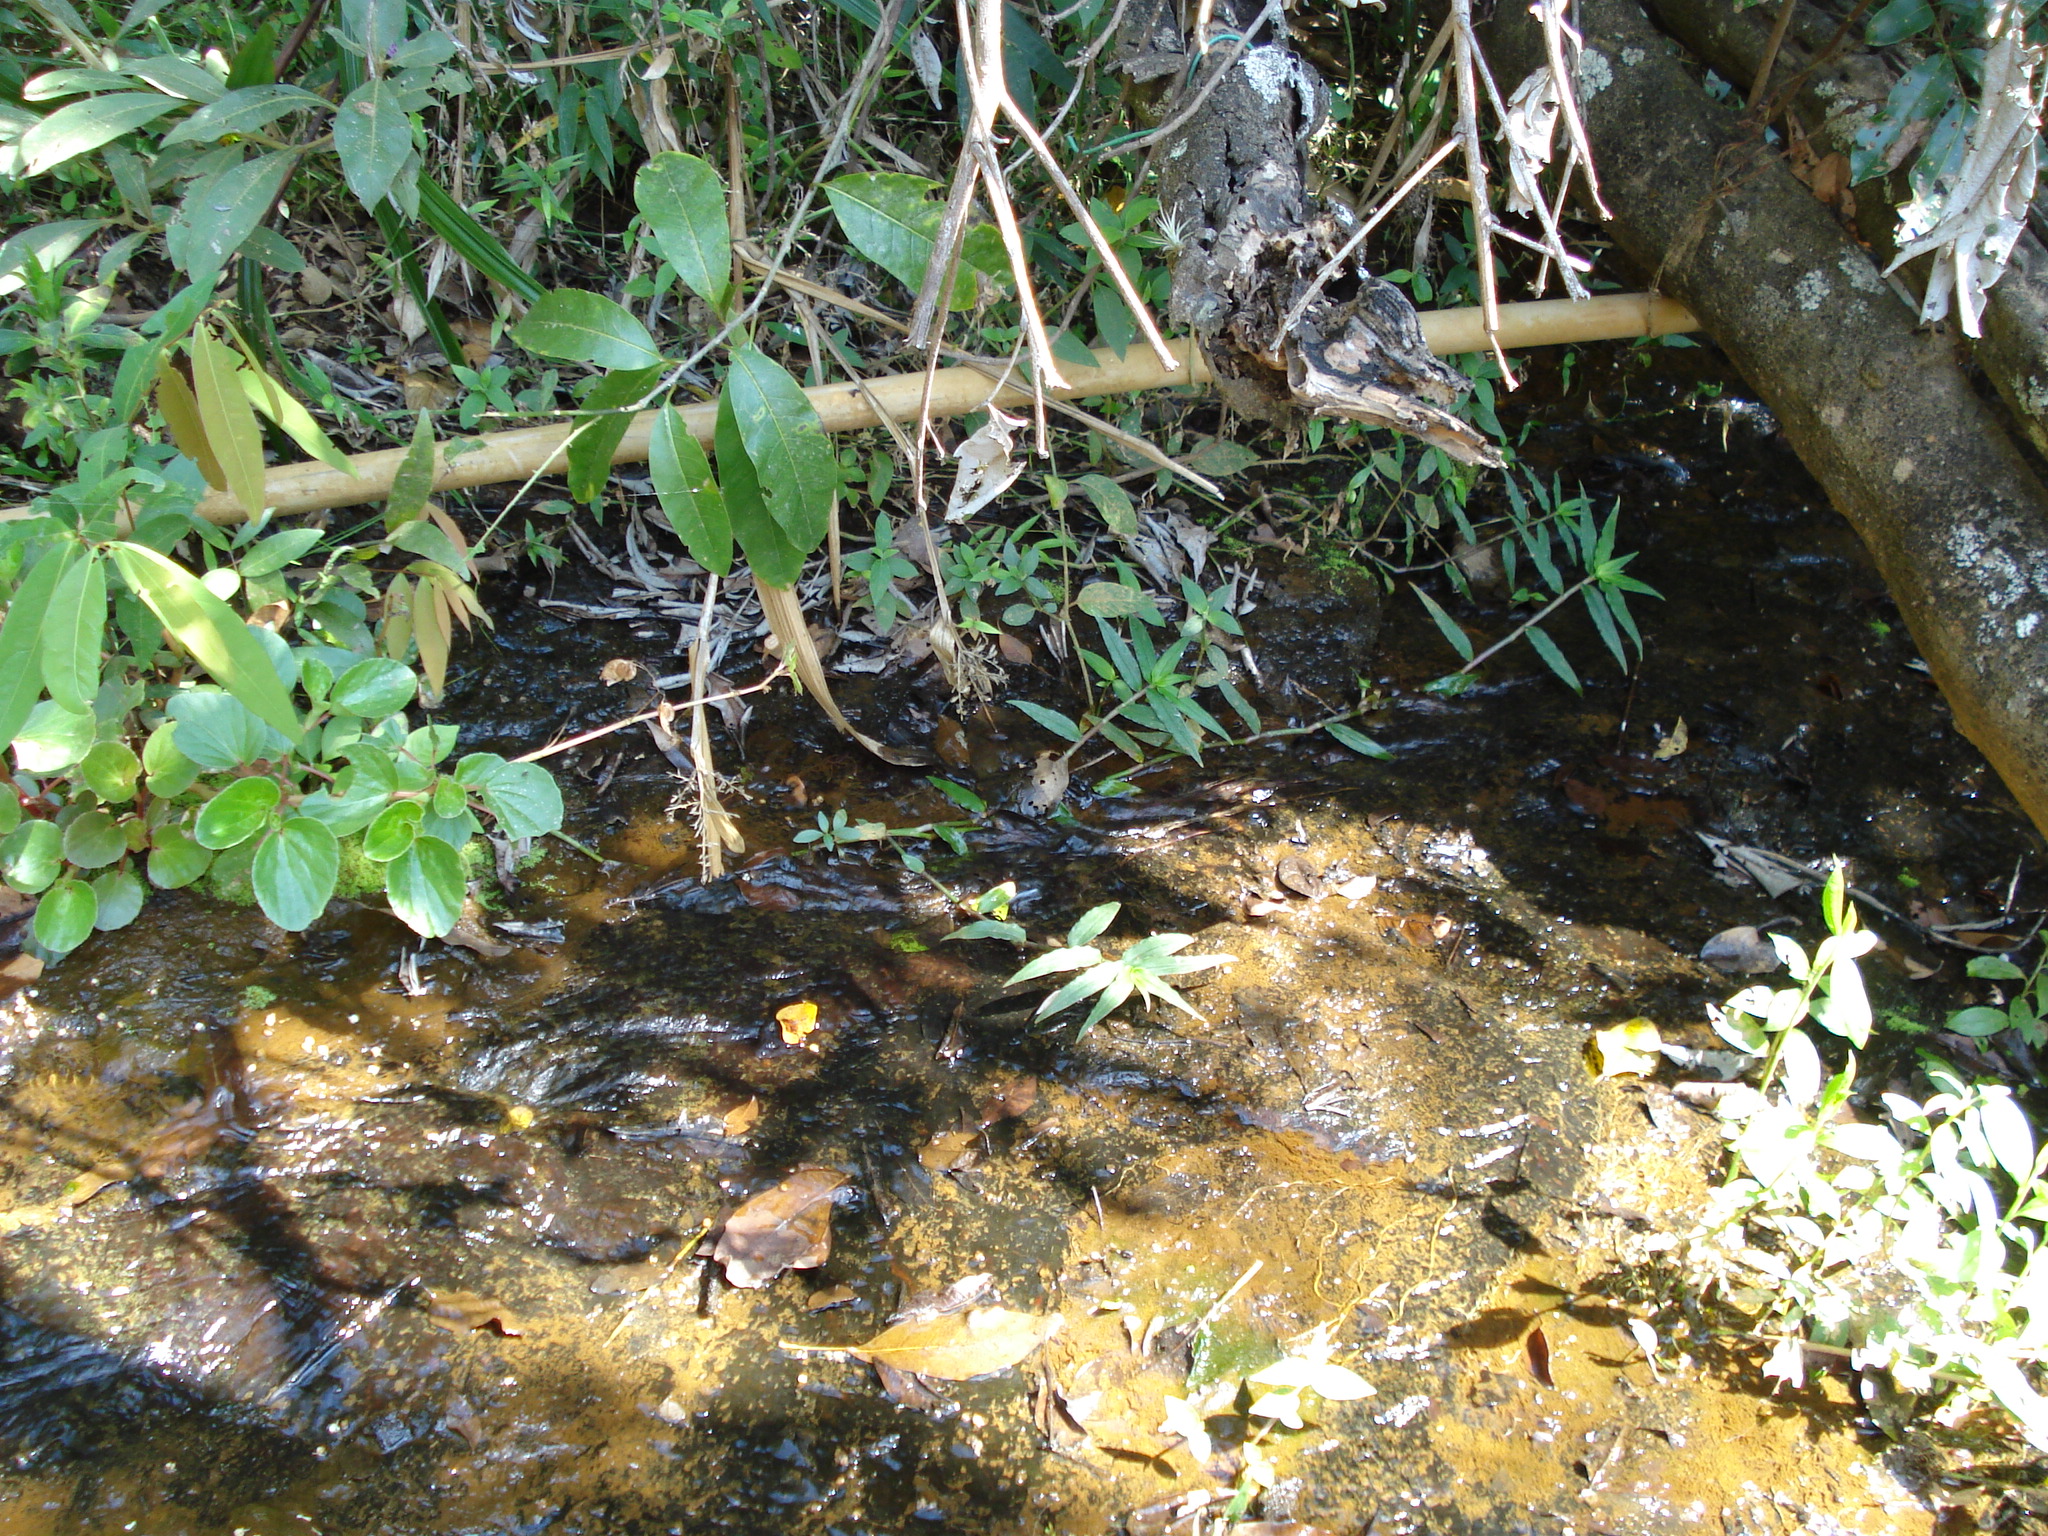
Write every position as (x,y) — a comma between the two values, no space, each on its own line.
(1451,632)
(71,634)
(689,493)
(229,422)
(683,202)
(208,628)
(473,243)
(1554,659)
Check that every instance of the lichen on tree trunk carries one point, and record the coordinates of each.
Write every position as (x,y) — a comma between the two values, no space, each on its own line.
(1252,239)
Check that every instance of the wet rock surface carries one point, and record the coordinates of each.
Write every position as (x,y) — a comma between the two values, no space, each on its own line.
(323,1233)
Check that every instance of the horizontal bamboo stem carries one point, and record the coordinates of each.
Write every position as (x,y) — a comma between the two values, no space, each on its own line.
(502,456)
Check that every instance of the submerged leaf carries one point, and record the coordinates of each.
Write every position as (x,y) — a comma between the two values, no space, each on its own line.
(787,1227)
(959,1345)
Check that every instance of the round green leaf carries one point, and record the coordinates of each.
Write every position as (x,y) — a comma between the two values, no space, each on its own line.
(175,859)
(683,202)
(392,832)
(110,770)
(31,855)
(218,731)
(237,813)
(10,809)
(451,798)
(65,915)
(170,771)
(373,689)
(585,327)
(53,739)
(94,840)
(425,886)
(523,797)
(294,873)
(892,220)
(119,895)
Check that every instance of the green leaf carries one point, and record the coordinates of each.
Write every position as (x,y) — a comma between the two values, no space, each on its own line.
(294,873)
(774,559)
(271,555)
(1054,961)
(119,896)
(1113,502)
(1051,719)
(110,771)
(374,689)
(237,112)
(93,840)
(414,480)
(21,673)
(176,859)
(792,457)
(393,831)
(1218,457)
(178,77)
(1112,600)
(85,125)
(1994,968)
(208,628)
(230,423)
(523,797)
(1554,658)
(53,739)
(1897,21)
(682,201)
(65,916)
(689,493)
(598,437)
(170,771)
(237,813)
(585,327)
(372,137)
(1357,741)
(221,211)
(215,732)
(1451,632)
(473,243)
(10,811)
(425,886)
(891,219)
(72,629)
(990,928)
(1092,922)
(1976,1023)
(31,855)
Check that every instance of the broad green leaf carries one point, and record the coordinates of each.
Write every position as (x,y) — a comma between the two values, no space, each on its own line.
(237,112)
(426,745)
(220,212)
(1897,21)
(53,739)
(424,885)
(892,220)
(176,859)
(393,831)
(31,855)
(414,480)
(294,873)
(598,437)
(1978,1023)
(523,797)
(55,84)
(119,895)
(689,493)
(372,137)
(217,731)
(178,77)
(93,840)
(72,630)
(10,812)
(586,328)
(774,559)
(230,423)
(51,245)
(683,202)
(1357,741)
(793,459)
(1051,719)
(374,689)
(85,125)
(269,556)
(208,628)
(1218,457)
(1994,968)
(21,672)
(170,771)
(65,916)
(237,813)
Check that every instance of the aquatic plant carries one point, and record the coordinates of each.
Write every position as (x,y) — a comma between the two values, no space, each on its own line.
(1142,969)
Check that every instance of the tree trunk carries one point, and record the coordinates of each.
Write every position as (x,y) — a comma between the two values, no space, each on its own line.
(1879,411)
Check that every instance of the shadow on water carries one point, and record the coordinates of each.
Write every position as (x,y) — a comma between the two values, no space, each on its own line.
(334,1233)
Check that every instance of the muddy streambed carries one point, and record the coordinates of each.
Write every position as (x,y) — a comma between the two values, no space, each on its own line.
(335,1233)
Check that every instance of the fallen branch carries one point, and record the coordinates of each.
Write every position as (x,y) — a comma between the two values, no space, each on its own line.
(501,456)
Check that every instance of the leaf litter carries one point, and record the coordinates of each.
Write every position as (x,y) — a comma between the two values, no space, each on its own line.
(786,1227)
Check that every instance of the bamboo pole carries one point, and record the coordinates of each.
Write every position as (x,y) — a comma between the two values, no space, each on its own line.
(502,456)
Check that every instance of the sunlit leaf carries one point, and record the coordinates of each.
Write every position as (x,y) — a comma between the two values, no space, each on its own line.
(229,421)
(239,111)
(956,1346)
(776,562)
(372,138)
(118,896)
(892,220)
(31,855)
(21,674)
(683,203)
(583,327)
(209,629)
(72,630)
(53,738)
(522,797)
(425,886)
(93,840)
(294,873)
(86,125)
(689,494)
(176,859)
(598,437)
(793,459)
(237,813)
(65,916)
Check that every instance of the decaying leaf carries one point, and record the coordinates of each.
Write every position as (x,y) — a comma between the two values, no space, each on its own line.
(951,1152)
(986,466)
(787,1227)
(1628,1048)
(740,1119)
(1357,888)
(907,1388)
(1296,874)
(1046,785)
(1011,1098)
(958,1345)
(1538,1346)
(1740,950)
(833,1296)
(465,1312)
(1673,745)
(798,1021)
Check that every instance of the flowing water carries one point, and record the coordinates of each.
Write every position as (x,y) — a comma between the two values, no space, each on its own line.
(333,1233)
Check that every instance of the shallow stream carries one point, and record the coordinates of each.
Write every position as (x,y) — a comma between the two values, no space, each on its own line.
(332,1233)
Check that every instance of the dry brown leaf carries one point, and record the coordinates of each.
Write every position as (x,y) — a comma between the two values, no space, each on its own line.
(951,1152)
(617,670)
(741,1118)
(787,1227)
(425,391)
(84,1187)
(1299,876)
(826,1300)
(960,1345)
(1011,1099)
(904,1387)
(465,1312)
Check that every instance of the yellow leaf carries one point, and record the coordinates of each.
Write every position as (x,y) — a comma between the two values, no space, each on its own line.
(432,634)
(397,633)
(180,410)
(1673,745)
(957,1345)
(797,1021)
(297,423)
(230,424)
(1633,1047)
